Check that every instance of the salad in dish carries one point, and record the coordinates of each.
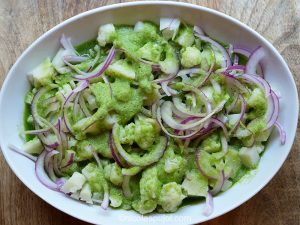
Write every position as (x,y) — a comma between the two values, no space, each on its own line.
(148,117)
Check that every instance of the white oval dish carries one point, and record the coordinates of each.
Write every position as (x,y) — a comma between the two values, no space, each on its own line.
(84,27)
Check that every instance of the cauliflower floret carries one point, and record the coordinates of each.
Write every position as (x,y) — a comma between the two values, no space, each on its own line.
(127,134)
(144,206)
(186,37)
(113,173)
(42,74)
(95,178)
(207,58)
(211,143)
(258,103)
(171,64)
(195,184)
(144,132)
(171,196)
(147,29)
(115,197)
(149,192)
(99,143)
(171,167)
(106,34)
(74,183)
(149,184)
(150,51)
(190,56)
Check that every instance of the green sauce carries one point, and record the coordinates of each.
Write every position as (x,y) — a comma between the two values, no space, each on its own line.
(27,126)
(242,59)
(84,47)
(192,201)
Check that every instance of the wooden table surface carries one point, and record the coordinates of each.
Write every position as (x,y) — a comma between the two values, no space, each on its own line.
(21,22)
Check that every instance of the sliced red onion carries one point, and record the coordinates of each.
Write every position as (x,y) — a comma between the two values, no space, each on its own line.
(281,132)
(271,120)
(230,50)
(49,165)
(198,30)
(97,159)
(188,136)
(154,66)
(21,152)
(40,172)
(105,202)
(242,51)
(183,111)
(97,201)
(80,87)
(165,88)
(50,100)
(66,44)
(51,145)
(100,69)
(235,82)
(39,131)
(220,124)
(75,58)
(34,103)
(69,161)
(207,76)
(76,106)
(83,106)
(242,114)
(235,60)
(60,182)
(114,152)
(126,187)
(218,46)
(260,82)
(52,127)
(66,121)
(204,132)
(235,67)
(49,155)
(204,99)
(56,166)
(216,86)
(246,52)
(254,59)
(209,206)
(220,182)
(179,74)
(233,104)
(185,121)
(53,107)
(166,113)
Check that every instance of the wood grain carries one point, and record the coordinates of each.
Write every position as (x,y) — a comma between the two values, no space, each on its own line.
(21,22)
